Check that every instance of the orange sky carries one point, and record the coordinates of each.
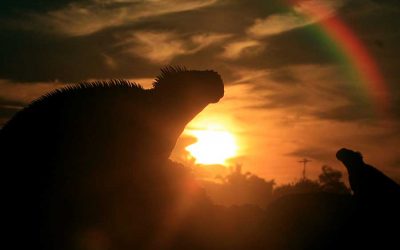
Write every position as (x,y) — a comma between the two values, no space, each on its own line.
(271,142)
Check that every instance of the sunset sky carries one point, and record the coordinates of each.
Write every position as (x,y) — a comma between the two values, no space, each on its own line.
(303,78)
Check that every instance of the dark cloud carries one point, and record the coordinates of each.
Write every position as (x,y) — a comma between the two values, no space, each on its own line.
(296,47)
(29,56)
(55,56)
(315,153)
(8,108)
(42,56)
(11,103)
(10,8)
(377,25)
(347,113)
(284,76)
(362,3)
(225,16)
(39,54)
(282,100)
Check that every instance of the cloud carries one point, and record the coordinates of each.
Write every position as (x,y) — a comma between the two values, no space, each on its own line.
(348,112)
(24,93)
(316,153)
(162,46)
(78,19)
(303,13)
(247,75)
(311,92)
(206,39)
(156,46)
(283,76)
(110,61)
(237,49)
(315,84)
(276,24)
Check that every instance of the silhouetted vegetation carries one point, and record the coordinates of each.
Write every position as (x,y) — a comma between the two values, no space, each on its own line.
(302,186)
(238,188)
(331,181)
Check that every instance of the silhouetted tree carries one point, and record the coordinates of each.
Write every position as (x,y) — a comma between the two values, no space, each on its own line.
(328,181)
(331,181)
(300,187)
(237,188)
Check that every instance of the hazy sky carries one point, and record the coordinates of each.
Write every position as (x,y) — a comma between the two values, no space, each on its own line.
(300,75)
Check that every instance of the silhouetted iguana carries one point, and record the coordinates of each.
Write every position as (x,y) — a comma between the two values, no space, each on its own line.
(377,203)
(365,180)
(75,156)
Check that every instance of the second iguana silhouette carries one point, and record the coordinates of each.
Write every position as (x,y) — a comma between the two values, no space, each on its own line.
(365,180)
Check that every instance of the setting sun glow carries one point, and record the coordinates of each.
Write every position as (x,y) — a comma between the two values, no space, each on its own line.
(212,146)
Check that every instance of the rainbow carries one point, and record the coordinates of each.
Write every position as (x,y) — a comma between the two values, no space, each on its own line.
(352,53)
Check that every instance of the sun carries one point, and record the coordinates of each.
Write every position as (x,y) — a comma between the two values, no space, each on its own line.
(212,146)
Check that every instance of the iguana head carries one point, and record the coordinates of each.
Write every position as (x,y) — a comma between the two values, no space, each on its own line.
(349,157)
(195,85)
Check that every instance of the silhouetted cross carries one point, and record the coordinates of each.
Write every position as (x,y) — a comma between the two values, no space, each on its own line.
(304,161)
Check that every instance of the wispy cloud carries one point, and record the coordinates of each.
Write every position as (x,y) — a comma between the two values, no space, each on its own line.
(319,92)
(241,48)
(303,13)
(163,46)
(206,39)
(78,19)
(158,47)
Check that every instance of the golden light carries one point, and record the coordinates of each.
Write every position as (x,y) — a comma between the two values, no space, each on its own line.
(212,146)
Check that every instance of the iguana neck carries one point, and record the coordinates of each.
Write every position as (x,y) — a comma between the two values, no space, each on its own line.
(176,115)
